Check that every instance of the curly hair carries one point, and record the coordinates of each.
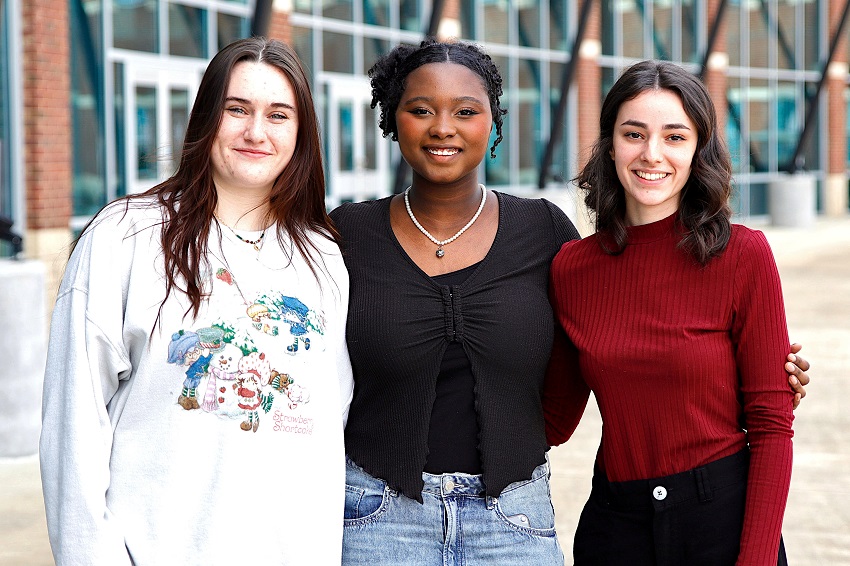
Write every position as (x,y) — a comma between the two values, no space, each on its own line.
(704,210)
(188,198)
(389,74)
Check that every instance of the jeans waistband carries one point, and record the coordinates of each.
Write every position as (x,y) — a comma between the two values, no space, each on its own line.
(670,490)
(469,484)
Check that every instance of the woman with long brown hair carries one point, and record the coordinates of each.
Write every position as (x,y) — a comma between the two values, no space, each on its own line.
(198,377)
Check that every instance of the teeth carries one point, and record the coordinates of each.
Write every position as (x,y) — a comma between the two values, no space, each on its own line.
(442,151)
(650,176)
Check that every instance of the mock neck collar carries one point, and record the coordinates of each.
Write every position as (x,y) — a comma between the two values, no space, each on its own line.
(653,231)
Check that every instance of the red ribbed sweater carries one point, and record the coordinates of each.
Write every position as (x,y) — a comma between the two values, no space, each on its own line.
(685,362)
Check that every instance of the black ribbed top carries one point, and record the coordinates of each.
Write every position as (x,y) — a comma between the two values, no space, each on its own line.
(400,322)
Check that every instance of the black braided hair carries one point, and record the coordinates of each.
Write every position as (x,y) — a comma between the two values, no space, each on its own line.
(389,73)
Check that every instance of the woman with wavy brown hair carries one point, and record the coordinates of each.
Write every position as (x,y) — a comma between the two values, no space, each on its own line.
(198,377)
(675,320)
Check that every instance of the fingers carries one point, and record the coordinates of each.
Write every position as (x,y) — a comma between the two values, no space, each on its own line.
(797,399)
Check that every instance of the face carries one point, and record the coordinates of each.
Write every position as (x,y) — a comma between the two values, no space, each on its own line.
(259,125)
(444,123)
(654,145)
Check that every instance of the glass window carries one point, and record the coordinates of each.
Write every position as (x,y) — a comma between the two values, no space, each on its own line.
(302,43)
(134,25)
(528,114)
(734,127)
(231,28)
(788,123)
(339,9)
(5,156)
(187,31)
(146,150)
(87,112)
(372,49)
(376,12)
(496,21)
(559,28)
(410,15)
(662,31)
(758,113)
(468,23)
(734,38)
(813,34)
(179,103)
(786,17)
(632,12)
(689,31)
(120,132)
(758,18)
(528,22)
(338,52)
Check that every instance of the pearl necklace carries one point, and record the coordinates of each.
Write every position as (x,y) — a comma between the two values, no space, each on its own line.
(441,243)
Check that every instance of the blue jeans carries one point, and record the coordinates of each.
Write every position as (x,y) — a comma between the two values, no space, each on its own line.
(456,525)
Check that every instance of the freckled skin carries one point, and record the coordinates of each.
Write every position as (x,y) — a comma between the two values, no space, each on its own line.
(259,126)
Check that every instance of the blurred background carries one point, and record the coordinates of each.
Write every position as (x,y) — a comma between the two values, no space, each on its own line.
(95,96)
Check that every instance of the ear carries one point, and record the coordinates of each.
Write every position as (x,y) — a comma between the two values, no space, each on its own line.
(611,153)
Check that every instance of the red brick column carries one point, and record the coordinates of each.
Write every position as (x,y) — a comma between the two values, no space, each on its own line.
(835,200)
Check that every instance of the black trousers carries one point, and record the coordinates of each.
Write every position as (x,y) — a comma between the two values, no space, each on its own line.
(694,518)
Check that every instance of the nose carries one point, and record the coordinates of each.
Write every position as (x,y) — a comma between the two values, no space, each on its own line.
(254,129)
(652,150)
(442,126)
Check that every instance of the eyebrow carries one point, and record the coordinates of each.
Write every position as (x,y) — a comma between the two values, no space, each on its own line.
(429,99)
(249,103)
(639,124)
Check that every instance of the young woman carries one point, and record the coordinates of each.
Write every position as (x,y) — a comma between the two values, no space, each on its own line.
(198,378)
(676,323)
(449,331)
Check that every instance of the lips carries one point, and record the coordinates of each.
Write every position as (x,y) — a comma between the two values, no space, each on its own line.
(651,176)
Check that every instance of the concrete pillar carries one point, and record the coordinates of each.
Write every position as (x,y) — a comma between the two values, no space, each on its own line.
(23,351)
(792,200)
(835,195)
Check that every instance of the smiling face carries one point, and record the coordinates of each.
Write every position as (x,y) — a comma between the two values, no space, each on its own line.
(444,122)
(653,147)
(256,137)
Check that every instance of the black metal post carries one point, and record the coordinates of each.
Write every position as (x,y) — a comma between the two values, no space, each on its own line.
(262,18)
(566,81)
(797,160)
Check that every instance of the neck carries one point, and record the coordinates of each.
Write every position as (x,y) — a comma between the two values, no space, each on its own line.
(445,205)
(242,212)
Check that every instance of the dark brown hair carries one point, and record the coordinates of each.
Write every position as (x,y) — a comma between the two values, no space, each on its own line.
(188,198)
(704,211)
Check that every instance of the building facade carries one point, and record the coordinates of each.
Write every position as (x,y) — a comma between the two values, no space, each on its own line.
(95,94)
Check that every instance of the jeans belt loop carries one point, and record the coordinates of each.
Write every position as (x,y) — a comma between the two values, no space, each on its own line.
(703,484)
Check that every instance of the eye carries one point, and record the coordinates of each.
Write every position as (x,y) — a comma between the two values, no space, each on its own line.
(236,110)
(279,116)
(468,112)
(419,111)
(632,135)
(677,137)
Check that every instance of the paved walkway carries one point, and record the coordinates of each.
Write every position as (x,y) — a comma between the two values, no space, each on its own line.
(815,268)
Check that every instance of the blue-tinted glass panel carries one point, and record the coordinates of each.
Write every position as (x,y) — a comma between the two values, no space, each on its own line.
(87,111)
(468,22)
(814,35)
(608,22)
(231,28)
(302,43)
(187,31)
(734,136)
(372,49)
(530,135)
(376,12)
(560,166)
(179,103)
(119,158)
(146,155)
(632,13)
(662,31)
(734,37)
(337,9)
(757,96)
(757,198)
(5,161)
(496,21)
(134,25)
(345,143)
(528,23)
(410,15)
(788,122)
(338,50)
(559,30)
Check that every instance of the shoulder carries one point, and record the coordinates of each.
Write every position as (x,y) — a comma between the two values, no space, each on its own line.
(749,244)
(122,221)
(540,213)
(354,212)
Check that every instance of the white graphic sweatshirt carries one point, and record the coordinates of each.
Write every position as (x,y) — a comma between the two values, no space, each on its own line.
(216,440)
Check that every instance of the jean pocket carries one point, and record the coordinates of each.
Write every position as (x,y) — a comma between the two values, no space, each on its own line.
(527,506)
(366,497)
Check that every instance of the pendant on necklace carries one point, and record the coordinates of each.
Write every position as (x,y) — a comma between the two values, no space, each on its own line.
(256,248)
(440,252)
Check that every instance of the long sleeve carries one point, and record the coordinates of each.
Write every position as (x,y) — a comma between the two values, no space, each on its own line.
(84,367)
(565,393)
(761,338)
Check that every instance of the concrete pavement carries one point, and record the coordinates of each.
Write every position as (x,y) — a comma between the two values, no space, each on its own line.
(815,268)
